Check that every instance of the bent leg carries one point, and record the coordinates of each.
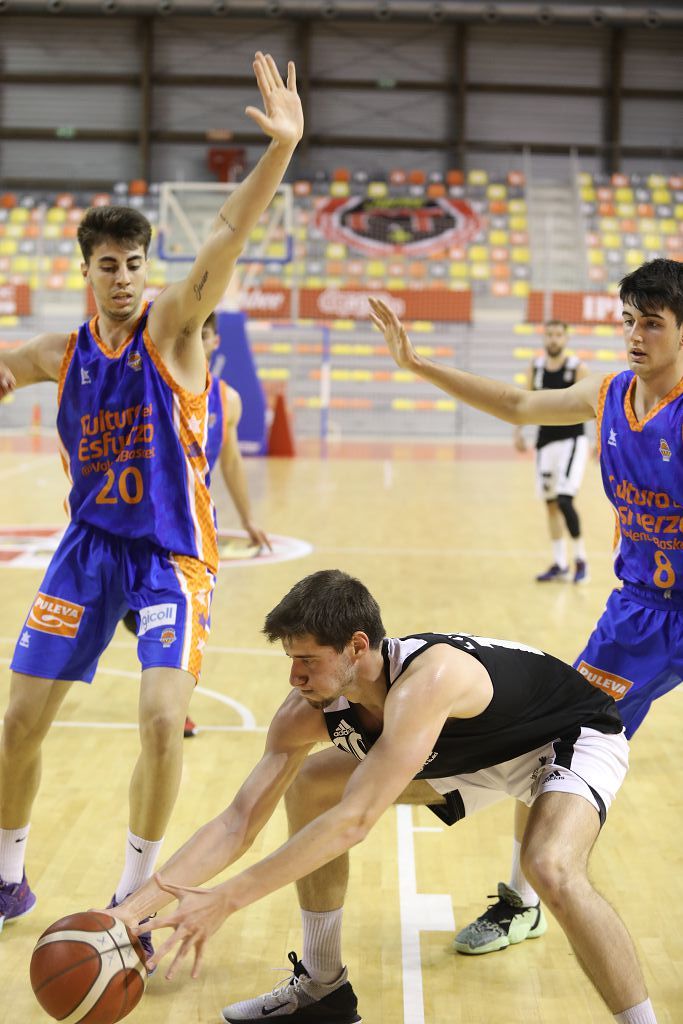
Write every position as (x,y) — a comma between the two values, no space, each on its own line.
(318,786)
(560,834)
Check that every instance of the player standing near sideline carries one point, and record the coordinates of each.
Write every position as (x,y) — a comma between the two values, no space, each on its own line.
(225,411)
(470,718)
(561,455)
(132,423)
(635,651)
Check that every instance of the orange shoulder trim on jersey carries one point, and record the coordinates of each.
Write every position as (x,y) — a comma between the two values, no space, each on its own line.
(636,424)
(66,363)
(602,398)
(187,396)
(116,352)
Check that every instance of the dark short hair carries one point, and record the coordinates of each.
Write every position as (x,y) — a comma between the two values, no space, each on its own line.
(654,286)
(330,606)
(211,322)
(121,224)
(557,323)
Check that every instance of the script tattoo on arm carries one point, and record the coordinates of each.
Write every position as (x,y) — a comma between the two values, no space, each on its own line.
(198,288)
(226,221)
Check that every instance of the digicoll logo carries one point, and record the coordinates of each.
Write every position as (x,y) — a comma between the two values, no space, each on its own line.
(155,615)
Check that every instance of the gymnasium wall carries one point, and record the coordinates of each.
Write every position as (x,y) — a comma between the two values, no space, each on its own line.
(370,56)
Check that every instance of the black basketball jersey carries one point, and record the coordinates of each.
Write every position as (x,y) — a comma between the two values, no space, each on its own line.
(564,377)
(536,699)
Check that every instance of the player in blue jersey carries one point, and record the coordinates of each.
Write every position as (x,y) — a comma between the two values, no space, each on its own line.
(561,456)
(635,651)
(453,721)
(222,447)
(132,424)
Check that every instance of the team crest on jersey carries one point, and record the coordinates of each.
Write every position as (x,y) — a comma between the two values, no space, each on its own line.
(134,360)
(393,225)
(612,437)
(664,450)
(168,637)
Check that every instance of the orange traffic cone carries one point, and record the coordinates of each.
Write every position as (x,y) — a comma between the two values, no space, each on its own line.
(281,438)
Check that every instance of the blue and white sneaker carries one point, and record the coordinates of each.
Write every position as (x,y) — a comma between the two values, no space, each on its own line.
(580,571)
(554,574)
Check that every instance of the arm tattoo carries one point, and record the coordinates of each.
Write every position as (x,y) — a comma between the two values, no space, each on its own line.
(226,221)
(198,288)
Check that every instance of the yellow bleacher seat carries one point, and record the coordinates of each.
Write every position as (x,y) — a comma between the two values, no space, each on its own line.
(626,209)
(56,215)
(518,206)
(479,254)
(520,289)
(459,270)
(477,178)
(623,195)
(498,237)
(480,271)
(611,240)
(596,257)
(339,189)
(14,230)
(336,251)
(668,226)
(376,268)
(378,189)
(74,283)
(497,191)
(609,224)
(661,196)
(19,215)
(23,264)
(8,246)
(652,241)
(634,257)
(585,178)
(678,211)
(657,181)
(518,223)
(519,254)
(588,194)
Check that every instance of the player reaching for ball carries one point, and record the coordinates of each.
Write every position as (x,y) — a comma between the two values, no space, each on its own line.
(471,719)
(634,652)
(132,423)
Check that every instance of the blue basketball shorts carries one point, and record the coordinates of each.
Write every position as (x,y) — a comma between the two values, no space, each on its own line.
(635,652)
(94,578)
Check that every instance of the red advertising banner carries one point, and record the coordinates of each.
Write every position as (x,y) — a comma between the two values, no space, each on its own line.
(273,303)
(574,307)
(352,304)
(15,300)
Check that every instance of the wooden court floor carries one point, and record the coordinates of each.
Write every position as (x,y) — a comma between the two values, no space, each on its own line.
(443,544)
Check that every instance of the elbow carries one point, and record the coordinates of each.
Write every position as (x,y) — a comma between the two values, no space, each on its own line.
(356,827)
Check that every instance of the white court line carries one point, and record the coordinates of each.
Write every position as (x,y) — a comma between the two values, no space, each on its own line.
(25,467)
(247,718)
(128,645)
(419,912)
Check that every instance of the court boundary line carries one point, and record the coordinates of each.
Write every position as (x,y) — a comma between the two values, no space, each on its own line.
(419,912)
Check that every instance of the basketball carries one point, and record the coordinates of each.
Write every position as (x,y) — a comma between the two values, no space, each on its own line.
(88,967)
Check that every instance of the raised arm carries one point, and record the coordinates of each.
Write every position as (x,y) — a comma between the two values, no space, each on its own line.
(561,407)
(183,307)
(36,360)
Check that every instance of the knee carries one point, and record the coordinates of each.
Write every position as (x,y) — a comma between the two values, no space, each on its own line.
(552,876)
(21,733)
(161,732)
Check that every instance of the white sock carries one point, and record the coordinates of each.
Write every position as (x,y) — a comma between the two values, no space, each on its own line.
(141,855)
(322,944)
(13,853)
(579,549)
(559,553)
(640,1014)
(518,882)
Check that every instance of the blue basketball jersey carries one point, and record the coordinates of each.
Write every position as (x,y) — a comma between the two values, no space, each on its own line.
(643,479)
(218,420)
(133,445)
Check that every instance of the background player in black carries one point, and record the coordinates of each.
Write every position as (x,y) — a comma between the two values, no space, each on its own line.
(561,454)
(478,718)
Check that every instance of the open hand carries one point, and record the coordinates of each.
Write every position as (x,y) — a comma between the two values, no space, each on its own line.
(395,335)
(283,119)
(199,914)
